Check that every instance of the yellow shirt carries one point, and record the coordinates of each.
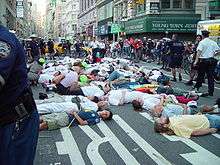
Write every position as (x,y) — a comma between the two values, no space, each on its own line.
(184,125)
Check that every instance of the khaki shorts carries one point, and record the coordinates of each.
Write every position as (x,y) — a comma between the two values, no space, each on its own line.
(56,120)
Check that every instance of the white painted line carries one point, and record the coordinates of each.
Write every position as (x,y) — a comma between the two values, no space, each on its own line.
(69,146)
(201,157)
(149,150)
(93,147)
(92,150)
(216,135)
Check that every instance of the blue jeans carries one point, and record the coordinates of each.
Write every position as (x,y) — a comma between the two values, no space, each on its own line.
(18,141)
(114,75)
(214,121)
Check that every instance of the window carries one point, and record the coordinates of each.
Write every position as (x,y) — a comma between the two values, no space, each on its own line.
(189,4)
(177,3)
(165,4)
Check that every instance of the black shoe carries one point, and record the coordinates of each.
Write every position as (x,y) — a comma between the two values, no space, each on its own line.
(174,79)
(205,95)
(189,83)
(180,77)
(210,94)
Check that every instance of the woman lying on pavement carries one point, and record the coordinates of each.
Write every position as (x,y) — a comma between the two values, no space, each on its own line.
(85,117)
(170,109)
(188,125)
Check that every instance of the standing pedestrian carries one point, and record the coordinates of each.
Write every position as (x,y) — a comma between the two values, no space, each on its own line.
(33,48)
(50,45)
(176,56)
(18,115)
(193,69)
(206,62)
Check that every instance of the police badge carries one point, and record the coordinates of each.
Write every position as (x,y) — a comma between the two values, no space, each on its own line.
(4,49)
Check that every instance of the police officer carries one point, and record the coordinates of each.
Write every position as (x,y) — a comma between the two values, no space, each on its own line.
(206,62)
(176,56)
(19,120)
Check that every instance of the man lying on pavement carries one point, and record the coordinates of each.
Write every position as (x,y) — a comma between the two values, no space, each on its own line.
(85,117)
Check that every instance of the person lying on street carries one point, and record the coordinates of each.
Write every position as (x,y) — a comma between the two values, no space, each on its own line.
(188,125)
(85,117)
(59,104)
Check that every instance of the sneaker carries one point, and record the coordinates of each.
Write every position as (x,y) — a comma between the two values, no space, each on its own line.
(205,95)
(174,79)
(189,83)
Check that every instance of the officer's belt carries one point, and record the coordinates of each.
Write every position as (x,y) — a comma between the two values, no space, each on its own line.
(21,109)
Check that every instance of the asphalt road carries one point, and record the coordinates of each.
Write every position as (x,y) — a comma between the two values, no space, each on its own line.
(128,139)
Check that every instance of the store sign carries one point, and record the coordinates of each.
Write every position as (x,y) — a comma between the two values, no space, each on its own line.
(135,26)
(115,28)
(153,7)
(161,24)
(19,9)
(178,26)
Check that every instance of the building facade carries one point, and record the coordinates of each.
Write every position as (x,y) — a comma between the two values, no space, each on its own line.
(158,18)
(87,18)
(104,19)
(70,11)
(8,13)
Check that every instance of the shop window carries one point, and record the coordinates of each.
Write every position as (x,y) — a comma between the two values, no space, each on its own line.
(177,3)
(165,4)
(189,4)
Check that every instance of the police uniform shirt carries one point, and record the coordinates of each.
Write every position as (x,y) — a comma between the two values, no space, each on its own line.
(13,71)
(208,48)
(176,47)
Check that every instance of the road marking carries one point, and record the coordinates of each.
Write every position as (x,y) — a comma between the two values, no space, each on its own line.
(69,146)
(216,135)
(202,156)
(92,150)
(149,150)
(166,73)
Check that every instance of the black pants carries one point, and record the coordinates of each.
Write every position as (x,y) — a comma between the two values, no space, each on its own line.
(77,92)
(206,66)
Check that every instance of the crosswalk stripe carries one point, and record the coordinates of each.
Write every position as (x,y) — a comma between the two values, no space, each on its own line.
(202,156)
(112,139)
(69,146)
(149,150)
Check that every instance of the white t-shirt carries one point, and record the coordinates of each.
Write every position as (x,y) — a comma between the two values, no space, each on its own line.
(92,91)
(94,45)
(115,96)
(208,48)
(56,107)
(70,77)
(150,101)
(65,105)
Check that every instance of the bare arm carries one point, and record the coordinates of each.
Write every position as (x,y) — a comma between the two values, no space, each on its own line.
(201,132)
(79,119)
(197,57)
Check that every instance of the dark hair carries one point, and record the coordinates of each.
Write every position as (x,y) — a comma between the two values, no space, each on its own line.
(217,102)
(95,72)
(205,33)
(199,36)
(159,128)
(110,116)
(78,64)
(137,105)
(95,99)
